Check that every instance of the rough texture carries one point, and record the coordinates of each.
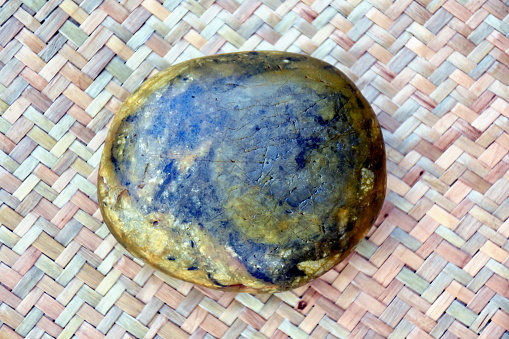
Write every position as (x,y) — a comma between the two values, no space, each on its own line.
(252,172)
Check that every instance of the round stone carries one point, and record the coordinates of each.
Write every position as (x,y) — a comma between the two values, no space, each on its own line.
(250,172)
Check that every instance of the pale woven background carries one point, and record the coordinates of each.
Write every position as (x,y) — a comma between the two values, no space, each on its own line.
(434,266)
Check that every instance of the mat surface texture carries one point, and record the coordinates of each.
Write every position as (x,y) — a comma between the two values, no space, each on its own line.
(436,263)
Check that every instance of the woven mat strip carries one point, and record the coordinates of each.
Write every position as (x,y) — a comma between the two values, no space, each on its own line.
(436,264)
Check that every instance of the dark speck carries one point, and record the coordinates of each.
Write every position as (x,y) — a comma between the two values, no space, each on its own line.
(215,281)
(293,59)
(132,118)
(192,244)
(302,305)
(192,268)
(115,163)
(171,258)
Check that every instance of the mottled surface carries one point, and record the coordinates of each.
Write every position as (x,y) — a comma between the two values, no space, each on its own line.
(249,171)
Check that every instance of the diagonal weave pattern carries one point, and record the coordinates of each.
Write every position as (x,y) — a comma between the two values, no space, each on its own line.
(436,265)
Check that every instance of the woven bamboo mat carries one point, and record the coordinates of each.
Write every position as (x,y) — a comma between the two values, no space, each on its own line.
(436,264)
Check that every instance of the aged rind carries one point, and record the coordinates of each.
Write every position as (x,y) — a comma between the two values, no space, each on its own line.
(252,172)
